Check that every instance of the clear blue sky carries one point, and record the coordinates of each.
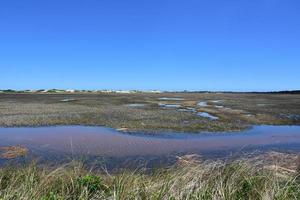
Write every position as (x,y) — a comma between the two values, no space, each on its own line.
(239,45)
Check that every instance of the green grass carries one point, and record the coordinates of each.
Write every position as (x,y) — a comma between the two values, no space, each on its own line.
(234,181)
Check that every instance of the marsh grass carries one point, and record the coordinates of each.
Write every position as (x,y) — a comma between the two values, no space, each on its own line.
(42,109)
(237,180)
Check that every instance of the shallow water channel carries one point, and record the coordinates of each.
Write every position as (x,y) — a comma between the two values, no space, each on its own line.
(53,143)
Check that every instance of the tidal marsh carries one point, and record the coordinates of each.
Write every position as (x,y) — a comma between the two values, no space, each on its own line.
(112,110)
(263,175)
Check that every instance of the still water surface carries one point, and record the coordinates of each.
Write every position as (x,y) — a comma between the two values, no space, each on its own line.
(107,142)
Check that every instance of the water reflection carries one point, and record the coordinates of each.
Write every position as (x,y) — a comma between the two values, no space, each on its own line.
(100,143)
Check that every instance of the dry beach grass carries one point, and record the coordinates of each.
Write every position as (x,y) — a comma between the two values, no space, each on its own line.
(195,180)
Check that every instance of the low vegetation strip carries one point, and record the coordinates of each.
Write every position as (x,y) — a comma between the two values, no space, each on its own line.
(231,111)
(216,180)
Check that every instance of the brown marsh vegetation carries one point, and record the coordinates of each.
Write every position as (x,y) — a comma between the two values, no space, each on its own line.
(10,152)
(235,111)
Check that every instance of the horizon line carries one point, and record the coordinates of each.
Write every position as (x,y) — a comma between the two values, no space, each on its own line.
(146,90)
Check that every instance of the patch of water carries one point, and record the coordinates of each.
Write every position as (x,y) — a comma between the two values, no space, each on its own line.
(171,99)
(110,142)
(219,106)
(169,105)
(207,115)
(57,144)
(188,109)
(136,105)
(290,116)
(67,100)
(202,103)
(217,101)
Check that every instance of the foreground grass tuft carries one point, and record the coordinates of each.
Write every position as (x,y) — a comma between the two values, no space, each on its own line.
(205,181)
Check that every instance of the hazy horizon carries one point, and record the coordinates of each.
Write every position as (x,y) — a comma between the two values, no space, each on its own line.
(213,91)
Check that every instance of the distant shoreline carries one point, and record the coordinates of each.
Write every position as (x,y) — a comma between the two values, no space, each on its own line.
(143,91)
